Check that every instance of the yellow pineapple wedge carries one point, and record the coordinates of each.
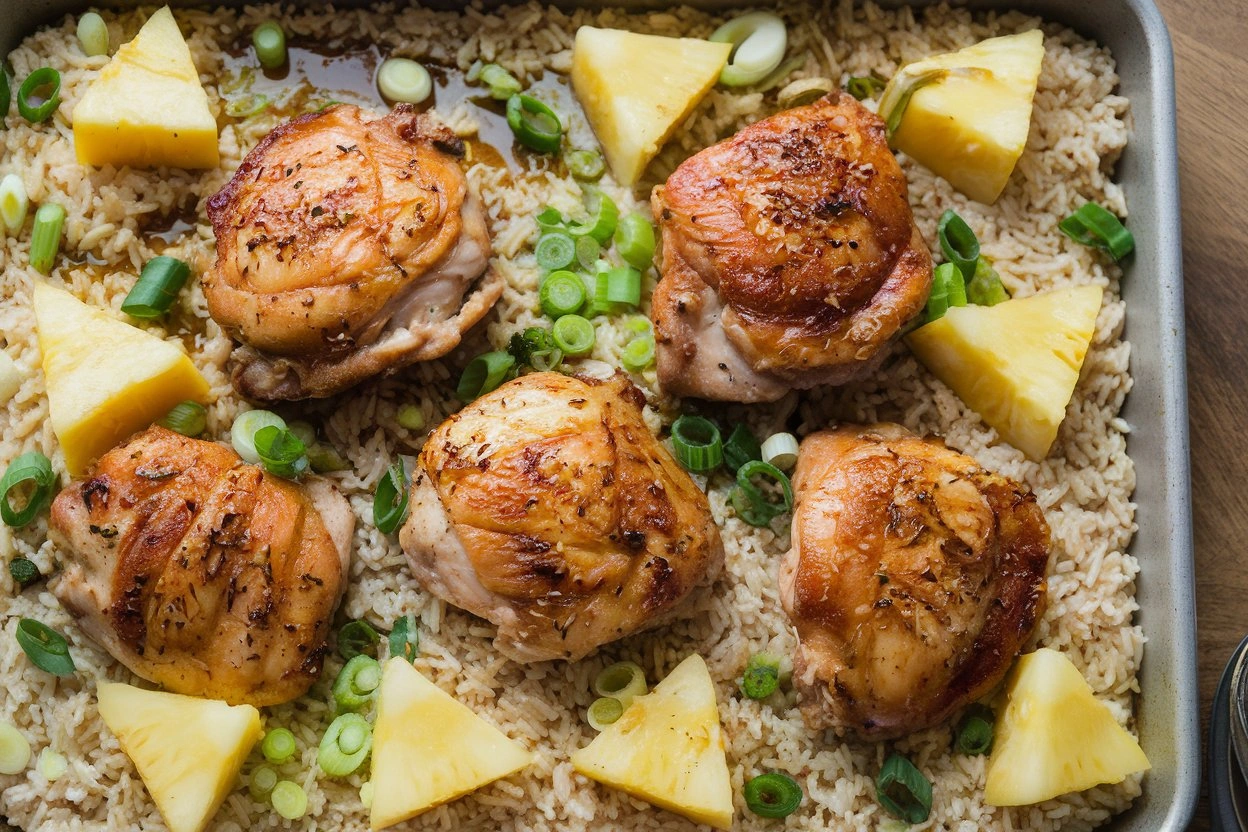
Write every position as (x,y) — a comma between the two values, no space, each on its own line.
(968,112)
(667,749)
(637,90)
(188,751)
(1055,737)
(105,378)
(429,749)
(147,106)
(1016,364)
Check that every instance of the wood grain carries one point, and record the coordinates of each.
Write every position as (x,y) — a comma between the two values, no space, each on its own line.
(1209,41)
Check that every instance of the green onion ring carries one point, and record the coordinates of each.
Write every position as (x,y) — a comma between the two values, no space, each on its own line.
(586,165)
(404,639)
(974,732)
(863,87)
(31,468)
(93,35)
(157,288)
(281,452)
(1092,225)
(761,677)
(604,711)
(390,499)
(603,216)
(562,293)
(187,418)
(773,795)
(638,354)
(269,41)
(357,638)
(759,40)
(574,335)
(289,800)
(742,447)
(503,85)
(535,125)
(617,288)
(278,745)
(45,647)
(357,683)
(402,79)
(23,571)
(622,681)
(903,791)
(587,251)
(634,240)
(985,287)
(751,504)
(45,236)
(698,444)
(554,251)
(247,105)
(484,374)
(261,783)
(958,242)
(345,745)
(35,81)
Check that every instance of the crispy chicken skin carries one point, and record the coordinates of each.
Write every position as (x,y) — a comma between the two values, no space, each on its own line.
(347,245)
(549,508)
(914,578)
(790,257)
(202,573)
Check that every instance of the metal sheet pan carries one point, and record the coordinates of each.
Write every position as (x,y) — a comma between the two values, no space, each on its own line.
(1156,409)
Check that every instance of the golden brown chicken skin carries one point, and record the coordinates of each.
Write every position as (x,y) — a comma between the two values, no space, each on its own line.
(790,257)
(347,245)
(914,578)
(549,508)
(202,573)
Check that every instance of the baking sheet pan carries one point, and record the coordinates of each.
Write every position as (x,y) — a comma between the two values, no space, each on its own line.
(1156,409)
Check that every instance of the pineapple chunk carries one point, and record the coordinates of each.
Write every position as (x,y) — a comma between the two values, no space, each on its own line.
(970,111)
(1016,363)
(667,749)
(188,751)
(105,378)
(147,107)
(1055,737)
(429,749)
(638,89)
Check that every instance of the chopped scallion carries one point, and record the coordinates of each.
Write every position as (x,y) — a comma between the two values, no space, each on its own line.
(638,354)
(45,237)
(863,87)
(574,335)
(959,244)
(14,204)
(773,795)
(52,764)
(357,683)
(46,648)
(780,449)
(324,458)
(634,240)
(587,251)
(92,35)
(187,418)
(289,799)
(158,286)
(1092,225)
(261,783)
(974,732)
(405,639)
(586,165)
(603,217)
(503,85)
(698,444)
(45,84)
(411,417)
(14,750)
(903,791)
(401,79)
(948,290)
(345,745)
(390,499)
(617,289)
(23,571)
(761,677)
(29,475)
(622,681)
(549,219)
(751,504)
(759,40)
(243,432)
(269,41)
(742,447)
(562,293)
(604,711)
(484,374)
(357,638)
(535,125)
(555,251)
(893,106)
(985,287)
(246,105)
(278,745)
(281,452)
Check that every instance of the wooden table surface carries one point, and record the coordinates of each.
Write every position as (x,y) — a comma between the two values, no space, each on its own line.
(1209,45)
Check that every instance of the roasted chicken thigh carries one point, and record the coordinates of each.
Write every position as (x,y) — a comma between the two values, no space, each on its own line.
(790,257)
(914,578)
(347,245)
(201,573)
(549,508)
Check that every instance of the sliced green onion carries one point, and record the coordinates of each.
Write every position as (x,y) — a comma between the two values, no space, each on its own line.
(555,251)
(14,204)
(281,452)
(31,473)
(357,638)
(549,219)
(187,418)
(536,126)
(289,799)
(638,354)
(617,289)
(780,450)
(278,745)
(1092,225)
(604,711)
(603,216)
(484,374)
(562,293)
(324,459)
(761,677)
(634,240)
(23,571)
(546,361)
(974,733)
(46,648)
(587,251)
(751,504)
(586,165)
(158,286)
(92,35)
(45,237)
(948,290)
(804,91)
(622,681)
(773,795)
(246,106)
(411,417)
(6,95)
(698,444)
(401,79)
(759,40)
(863,87)
(742,447)
(985,287)
(959,243)
(405,639)
(390,499)
(14,750)
(52,764)
(303,431)
(261,783)
(345,745)
(366,795)
(574,335)
(503,85)
(44,83)
(903,791)
(270,44)
(893,106)
(357,683)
